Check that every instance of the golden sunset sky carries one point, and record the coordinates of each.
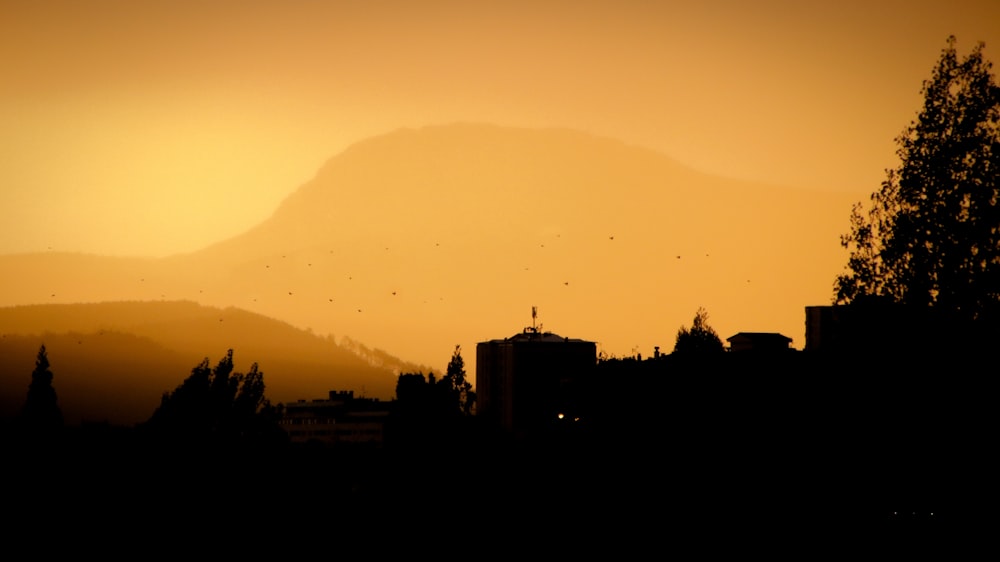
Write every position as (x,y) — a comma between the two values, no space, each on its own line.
(158,127)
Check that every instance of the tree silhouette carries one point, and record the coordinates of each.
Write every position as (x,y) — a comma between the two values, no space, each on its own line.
(932,233)
(433,412)
(458,390)
(218,405)
(701,339)
(41,415)
(417,417)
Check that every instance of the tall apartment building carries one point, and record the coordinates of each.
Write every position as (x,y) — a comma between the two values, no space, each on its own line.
(533,381)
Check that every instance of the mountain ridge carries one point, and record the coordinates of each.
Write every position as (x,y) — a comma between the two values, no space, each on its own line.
(422,239)
(87,342)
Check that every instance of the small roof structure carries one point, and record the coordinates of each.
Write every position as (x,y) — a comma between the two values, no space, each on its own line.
(758,341)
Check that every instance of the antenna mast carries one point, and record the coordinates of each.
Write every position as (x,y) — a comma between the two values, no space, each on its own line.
(535,326)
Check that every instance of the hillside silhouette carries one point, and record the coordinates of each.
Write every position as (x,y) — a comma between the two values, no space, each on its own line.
(113,361)
(421,239)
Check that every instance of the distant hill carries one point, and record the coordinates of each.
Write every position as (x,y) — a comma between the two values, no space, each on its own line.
(422,239)
(113,361)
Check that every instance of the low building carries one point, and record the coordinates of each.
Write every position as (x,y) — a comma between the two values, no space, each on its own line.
(877,326)
(339,420)
(759,342)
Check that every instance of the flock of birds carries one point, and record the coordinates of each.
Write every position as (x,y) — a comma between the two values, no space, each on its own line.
(393,293)
(311,294)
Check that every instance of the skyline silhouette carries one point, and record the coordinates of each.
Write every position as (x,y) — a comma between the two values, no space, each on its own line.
(805,437)
(343,197)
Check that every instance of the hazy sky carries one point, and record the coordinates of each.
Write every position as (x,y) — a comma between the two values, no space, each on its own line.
(156,127)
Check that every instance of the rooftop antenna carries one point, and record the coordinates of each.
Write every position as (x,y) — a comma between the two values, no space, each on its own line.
(535,327)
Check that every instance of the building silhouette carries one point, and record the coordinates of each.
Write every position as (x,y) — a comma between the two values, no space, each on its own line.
(533,382)
(339,420)
(897,329)
(759,342)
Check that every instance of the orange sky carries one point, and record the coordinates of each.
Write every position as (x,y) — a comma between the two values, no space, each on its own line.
(156,127)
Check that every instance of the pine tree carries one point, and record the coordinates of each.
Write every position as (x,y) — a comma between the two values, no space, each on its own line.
(41,414)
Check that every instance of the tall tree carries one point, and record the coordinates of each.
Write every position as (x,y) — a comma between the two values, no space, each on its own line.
(931,236)
(459,390)
(41,414)
(700,338)
(218,405)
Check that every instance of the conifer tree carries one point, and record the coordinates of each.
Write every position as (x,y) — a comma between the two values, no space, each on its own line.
(41,414)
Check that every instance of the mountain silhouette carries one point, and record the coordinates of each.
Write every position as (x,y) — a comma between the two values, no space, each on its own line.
(421,239)
(113,361)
